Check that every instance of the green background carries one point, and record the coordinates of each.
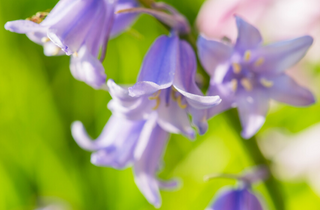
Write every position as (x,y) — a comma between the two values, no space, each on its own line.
(41,164)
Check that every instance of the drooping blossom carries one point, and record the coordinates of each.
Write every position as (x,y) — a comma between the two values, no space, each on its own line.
(296,156)
(80,28)
(242,197)
(248,74)
(122,143)
(166,85)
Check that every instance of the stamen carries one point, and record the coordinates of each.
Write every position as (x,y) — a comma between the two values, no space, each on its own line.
(236,68)
(155,95)
(173,95)
(246,84)
(157,104)
(56,51)
(75,54)
(234,85)
(266,83)
(247,55)
(259,62)
(45,39)
(182,106)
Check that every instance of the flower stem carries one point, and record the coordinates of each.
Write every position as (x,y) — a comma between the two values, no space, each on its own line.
(250,145)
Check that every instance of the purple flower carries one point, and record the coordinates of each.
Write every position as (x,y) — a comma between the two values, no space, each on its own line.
(235,199)
(80,28)
(122,143)
(166,85)
(249,74)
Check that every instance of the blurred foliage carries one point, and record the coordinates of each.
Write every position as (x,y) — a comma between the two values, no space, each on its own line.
(39,99)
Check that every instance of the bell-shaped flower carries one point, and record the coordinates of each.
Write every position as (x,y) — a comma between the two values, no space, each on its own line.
(242,197)
(122,143)
(249,74)
(166,85)
(80,28)
(235,199)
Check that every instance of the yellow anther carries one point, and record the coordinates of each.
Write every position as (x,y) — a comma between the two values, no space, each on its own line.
(157,104)
(234,85)
(247,55)
(182,106)
(173,95)
(236,68)
(45,39)
(246,84)
(259,62)
(155,95)
(75,54)
(266,83)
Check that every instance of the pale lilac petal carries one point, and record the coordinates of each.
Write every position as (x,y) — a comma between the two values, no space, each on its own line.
(87,68)
(184,80)
(23,26)
(286,90)
(212,53)
(123,21)
(159,66)
(51,49)
(280,56)
(249,37)
(235,199)
(146,166)
(227,96)
(252,108)
(69,33)
(174,119)
(122,104)
(199,119)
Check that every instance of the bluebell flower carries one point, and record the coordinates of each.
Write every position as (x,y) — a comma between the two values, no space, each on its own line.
(242,197)
(80,28)
(236,199)
(166,85)
(122,143)
(248,74)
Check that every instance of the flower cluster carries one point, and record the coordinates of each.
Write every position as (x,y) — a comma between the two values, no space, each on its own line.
(246,75)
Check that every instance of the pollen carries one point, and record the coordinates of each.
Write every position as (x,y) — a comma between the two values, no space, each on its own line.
(259,62)
(75,54)
(246,84)
(45,40)
(247,55)
(182,106)
(56,51)
(236,68)
(266,83)
(173,95)
(234,85)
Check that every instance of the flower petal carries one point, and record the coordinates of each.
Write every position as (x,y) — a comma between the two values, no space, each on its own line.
(227,96)
(199,119)
(286,90)
(184,80)
(212,53)
(122,104)
(252,108)
(122,21)
(174,119)
(23,26)
(280,56)
(158,67)
(235,199)
(146,166)
(85,67)
(249,37)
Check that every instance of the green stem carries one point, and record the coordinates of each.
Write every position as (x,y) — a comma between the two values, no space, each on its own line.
(272,185)
(251,147)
